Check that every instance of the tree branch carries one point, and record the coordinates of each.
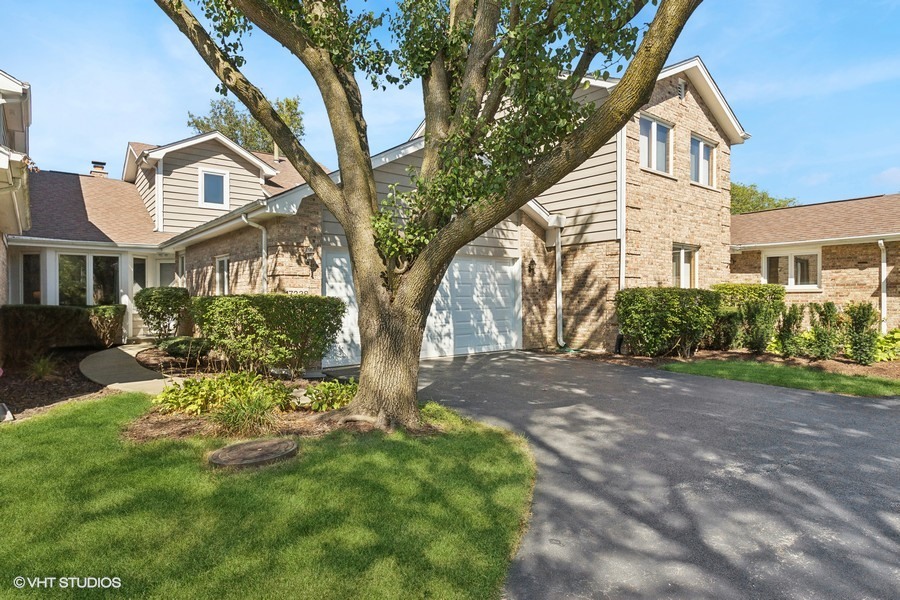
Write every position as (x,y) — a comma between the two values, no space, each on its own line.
(253,99)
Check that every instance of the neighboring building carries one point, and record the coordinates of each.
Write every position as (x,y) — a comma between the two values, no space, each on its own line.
(844,251)
(15,213)
(651,208)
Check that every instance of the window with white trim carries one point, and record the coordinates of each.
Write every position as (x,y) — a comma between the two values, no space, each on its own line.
(655,145)
(213,188)
(684,263)
(31,279)
(798,270)
(702,162)
(222,278)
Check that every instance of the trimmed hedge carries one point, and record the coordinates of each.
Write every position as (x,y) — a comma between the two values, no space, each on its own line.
(738,294)
(660,321)
(32,330)
(162,309)
(256,332)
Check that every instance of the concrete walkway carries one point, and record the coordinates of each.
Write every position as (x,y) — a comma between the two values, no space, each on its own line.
(117,369)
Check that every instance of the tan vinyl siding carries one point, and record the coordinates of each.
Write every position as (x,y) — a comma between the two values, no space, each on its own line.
(182,209)
(502,240)
(145,181)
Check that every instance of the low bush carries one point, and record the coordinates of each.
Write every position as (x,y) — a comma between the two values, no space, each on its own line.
(249,416)
(760,318)
(41,368)
(208,394)
(32,330)
(887,347)
(162,309)
(263,331)
(826,331)
(331,395)
(185,347)
(659,321)
(789,329)
(727,330)
(738,294)
(862,336)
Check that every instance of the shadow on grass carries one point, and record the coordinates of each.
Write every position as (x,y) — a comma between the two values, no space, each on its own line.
(354,516)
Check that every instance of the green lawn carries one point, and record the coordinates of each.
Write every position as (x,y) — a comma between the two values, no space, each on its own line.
(355,516)
(804,378)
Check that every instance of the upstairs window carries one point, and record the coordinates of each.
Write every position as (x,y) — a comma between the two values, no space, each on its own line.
(213,189)
(702,162)
(655,143)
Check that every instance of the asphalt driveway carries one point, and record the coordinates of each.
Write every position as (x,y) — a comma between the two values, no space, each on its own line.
(660,485)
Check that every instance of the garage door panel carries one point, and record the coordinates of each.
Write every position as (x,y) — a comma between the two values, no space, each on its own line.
(475,308)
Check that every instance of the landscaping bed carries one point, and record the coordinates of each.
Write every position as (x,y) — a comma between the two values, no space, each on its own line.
(25,394)
(368,515)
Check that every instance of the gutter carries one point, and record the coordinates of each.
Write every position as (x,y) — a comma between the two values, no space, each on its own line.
(883,286)
(859,239)
(264,252)
(560,340)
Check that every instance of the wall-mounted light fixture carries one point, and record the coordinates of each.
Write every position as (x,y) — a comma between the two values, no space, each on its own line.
(531,267)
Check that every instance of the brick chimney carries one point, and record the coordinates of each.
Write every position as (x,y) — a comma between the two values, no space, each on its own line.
(98,169)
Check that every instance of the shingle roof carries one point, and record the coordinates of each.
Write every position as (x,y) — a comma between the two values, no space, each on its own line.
(872,216)
(287,176)
(68,206)
(140,146)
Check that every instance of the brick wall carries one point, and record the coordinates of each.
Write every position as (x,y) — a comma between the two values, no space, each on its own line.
(850,273)
(590,283)
(665,210)
(288,267)
(538,287)
(4,270)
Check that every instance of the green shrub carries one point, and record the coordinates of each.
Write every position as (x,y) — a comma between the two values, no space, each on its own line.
(659,321)
(162,308)
(331,395)
(249,416)
(263,331)
(760,318)
(41,368)
(207,394)
(738,294)
(789,329)
(826,331)
(31,330)
(727,330)
(861,334)
(185,346)
(888,346)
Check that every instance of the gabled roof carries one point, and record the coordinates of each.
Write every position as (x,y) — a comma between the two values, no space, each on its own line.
(152,154)
(696,71)
(68,206)
(872,217)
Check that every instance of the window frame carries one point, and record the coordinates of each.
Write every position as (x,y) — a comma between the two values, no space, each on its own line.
(226,188)
(655,123)
(89,275)
(712,160)
(223,288)
(41,280)
(682,249)
(791,253)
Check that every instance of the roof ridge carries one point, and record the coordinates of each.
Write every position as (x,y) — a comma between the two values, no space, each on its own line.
(813,204)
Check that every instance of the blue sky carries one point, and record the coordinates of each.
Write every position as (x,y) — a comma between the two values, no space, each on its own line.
(816,83)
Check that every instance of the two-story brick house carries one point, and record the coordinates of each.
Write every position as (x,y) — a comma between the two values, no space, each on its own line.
(649,208)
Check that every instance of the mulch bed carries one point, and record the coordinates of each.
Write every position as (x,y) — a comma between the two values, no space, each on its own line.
(25,397)
(841,365)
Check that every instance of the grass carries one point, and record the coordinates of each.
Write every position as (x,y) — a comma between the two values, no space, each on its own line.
(803,378)
(355,516)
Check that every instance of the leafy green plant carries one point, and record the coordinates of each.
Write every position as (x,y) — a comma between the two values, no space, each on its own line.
(861,335)
(887,347)
(331,395)
(185,346)
(260,331)
(760,318)
(737,294)
(108,323)
(253,414)
(789,329)
(162,309)
(207,394)
(41,368)
(728,330)
(659,321)
(826,333)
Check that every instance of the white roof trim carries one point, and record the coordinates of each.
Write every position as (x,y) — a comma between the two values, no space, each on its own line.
(8,83)
(157,153)
(24,240)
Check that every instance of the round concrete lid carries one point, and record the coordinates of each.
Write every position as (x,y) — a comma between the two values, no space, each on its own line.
(254,453)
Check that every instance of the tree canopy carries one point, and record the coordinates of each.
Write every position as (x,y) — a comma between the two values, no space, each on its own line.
(242,127)
(749,198)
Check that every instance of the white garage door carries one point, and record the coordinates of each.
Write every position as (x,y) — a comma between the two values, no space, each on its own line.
(476,309)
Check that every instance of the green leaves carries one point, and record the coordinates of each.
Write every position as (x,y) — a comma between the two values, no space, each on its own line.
(240,126)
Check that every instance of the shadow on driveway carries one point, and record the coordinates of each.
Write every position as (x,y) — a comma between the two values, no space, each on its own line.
(657,485)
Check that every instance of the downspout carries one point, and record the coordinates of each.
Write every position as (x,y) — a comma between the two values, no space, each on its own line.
(264,252)
(883,286)
(560,340)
